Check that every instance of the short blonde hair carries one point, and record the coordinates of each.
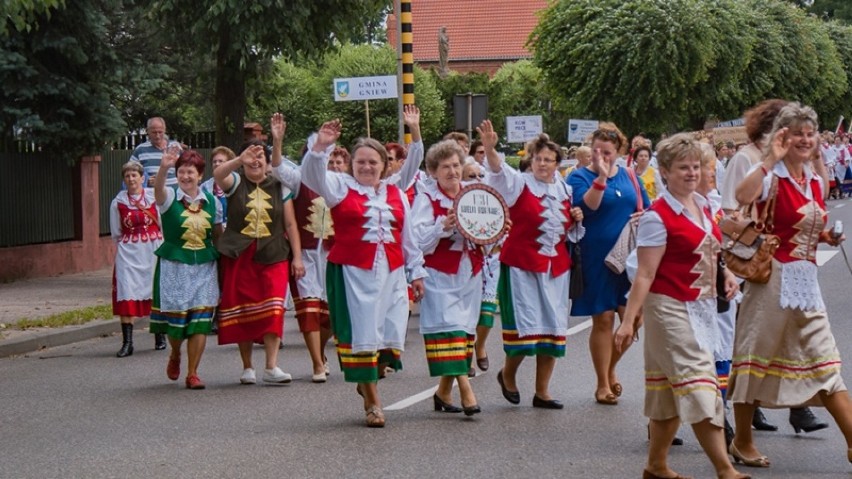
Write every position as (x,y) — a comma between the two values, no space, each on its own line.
(584,151)
(441,151)
(223,150)
(677,147)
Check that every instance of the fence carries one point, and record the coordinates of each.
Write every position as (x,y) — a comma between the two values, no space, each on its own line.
(36,192)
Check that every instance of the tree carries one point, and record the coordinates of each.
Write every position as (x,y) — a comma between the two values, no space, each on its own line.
(61,77)
(241,34)
(664,66)
(20,16)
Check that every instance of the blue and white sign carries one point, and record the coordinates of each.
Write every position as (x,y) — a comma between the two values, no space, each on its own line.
(365,88)
(520,129)
(579,130)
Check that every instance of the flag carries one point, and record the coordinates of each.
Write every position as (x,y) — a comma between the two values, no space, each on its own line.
(840,130)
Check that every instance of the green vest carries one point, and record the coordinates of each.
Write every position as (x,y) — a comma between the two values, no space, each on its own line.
(188,233)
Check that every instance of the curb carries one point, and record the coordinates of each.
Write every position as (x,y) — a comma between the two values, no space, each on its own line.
(61,337)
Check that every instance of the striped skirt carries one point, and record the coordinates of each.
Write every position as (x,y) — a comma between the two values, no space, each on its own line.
(511,296)
(185,298)
(680,377)
(782,357)
(486,313)
(252,298)
(449,354)
(360,366)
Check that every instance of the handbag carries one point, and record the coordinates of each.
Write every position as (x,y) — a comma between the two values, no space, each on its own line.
(748,245)
(576,284)
(616,259)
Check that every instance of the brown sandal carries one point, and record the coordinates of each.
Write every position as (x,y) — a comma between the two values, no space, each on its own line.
(616,389)
(608,399)
(375,417)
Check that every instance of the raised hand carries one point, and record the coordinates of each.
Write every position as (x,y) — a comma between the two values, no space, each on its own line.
(600,165)
(277,126)
(327,135)
(487,135)
(253,154)
(411,115)
(779,145)
(170,157)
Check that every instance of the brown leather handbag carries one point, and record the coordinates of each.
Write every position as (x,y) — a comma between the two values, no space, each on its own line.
(748,245)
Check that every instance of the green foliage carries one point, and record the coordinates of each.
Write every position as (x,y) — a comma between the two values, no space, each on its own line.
(21,15)
(61,79)
(660,66)
(840,10)
(841,35)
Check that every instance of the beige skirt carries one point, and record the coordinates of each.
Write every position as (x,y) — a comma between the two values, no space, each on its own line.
(782,357)
(680,377)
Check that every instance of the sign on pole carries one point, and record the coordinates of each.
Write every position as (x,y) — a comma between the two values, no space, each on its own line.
(365,88)
(520,129)
(579,130)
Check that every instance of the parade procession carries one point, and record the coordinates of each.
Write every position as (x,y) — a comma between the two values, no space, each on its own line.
(397,220)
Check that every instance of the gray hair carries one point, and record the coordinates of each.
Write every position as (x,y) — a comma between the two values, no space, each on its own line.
(132,165)
(793,115)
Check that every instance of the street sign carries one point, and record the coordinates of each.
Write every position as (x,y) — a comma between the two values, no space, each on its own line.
(365,88)
(579,130)
(520,129)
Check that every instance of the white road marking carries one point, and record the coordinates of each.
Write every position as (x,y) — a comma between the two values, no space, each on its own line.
(824,255)
(424,395)
(841,205)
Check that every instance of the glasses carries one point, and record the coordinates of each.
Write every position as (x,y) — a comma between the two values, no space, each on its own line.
(541,159)
(480,152)
(474,176)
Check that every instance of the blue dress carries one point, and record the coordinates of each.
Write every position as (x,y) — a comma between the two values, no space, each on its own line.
(603,289)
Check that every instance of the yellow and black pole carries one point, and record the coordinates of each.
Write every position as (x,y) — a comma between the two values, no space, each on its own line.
(406,66)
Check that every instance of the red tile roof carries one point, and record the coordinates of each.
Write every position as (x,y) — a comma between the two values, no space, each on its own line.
(477,29)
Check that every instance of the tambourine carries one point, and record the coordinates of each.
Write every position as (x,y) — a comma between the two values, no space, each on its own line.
(481,214)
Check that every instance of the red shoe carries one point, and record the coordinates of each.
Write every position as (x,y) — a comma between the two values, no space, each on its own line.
(192,382)
(173,368)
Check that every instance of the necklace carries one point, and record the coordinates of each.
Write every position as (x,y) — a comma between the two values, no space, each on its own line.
(800,181)
(140,204)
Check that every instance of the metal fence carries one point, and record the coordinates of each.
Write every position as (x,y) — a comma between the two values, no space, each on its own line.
(36,192)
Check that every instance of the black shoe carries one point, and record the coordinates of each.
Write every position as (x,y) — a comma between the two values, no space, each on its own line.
(729,433)
(471,410)
(803,419)
(759,422)
(442,406)
(513,397)
(126,341)
(159,341)
(471,373)
(546,403)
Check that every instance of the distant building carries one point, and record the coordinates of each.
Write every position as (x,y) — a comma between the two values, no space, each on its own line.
(483,34)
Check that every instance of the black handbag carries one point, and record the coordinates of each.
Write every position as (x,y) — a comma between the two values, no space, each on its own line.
(722,303)
(575,282)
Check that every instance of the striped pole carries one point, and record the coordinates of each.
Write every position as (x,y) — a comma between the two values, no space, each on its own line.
(407,42)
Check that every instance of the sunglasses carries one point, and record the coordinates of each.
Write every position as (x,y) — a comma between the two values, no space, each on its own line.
(474,176)
(606,134)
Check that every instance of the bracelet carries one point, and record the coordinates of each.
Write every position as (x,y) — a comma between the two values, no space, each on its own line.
(598,186)
(764,170)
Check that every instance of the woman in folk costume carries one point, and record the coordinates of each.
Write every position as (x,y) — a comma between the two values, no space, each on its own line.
(450,309)
(784,352)
(533,289)
(134,224)
(367,265)
(186,286)
(678,248)
(255,264)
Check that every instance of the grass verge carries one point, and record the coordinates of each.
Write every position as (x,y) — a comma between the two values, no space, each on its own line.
(68,318)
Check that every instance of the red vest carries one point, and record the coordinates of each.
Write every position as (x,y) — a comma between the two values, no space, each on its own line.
(310,221)
(687,271)
(445,259)
(351,217)
(521,249)
(798,221)
(139,225)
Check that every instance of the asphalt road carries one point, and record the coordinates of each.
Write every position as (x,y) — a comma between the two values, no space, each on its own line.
(77,411)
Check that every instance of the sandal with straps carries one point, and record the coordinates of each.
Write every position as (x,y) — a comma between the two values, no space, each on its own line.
(375,417)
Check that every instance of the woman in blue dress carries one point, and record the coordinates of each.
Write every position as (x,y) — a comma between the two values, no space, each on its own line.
(607,193)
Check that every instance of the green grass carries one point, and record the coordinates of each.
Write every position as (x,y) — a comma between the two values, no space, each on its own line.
(68,318)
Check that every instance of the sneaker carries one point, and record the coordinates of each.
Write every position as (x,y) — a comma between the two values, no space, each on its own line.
(193,382)
(276,375)
(248,376)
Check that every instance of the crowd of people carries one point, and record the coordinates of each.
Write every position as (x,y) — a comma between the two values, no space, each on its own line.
(357,235)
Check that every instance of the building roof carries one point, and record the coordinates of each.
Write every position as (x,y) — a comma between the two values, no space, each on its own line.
(477,29)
